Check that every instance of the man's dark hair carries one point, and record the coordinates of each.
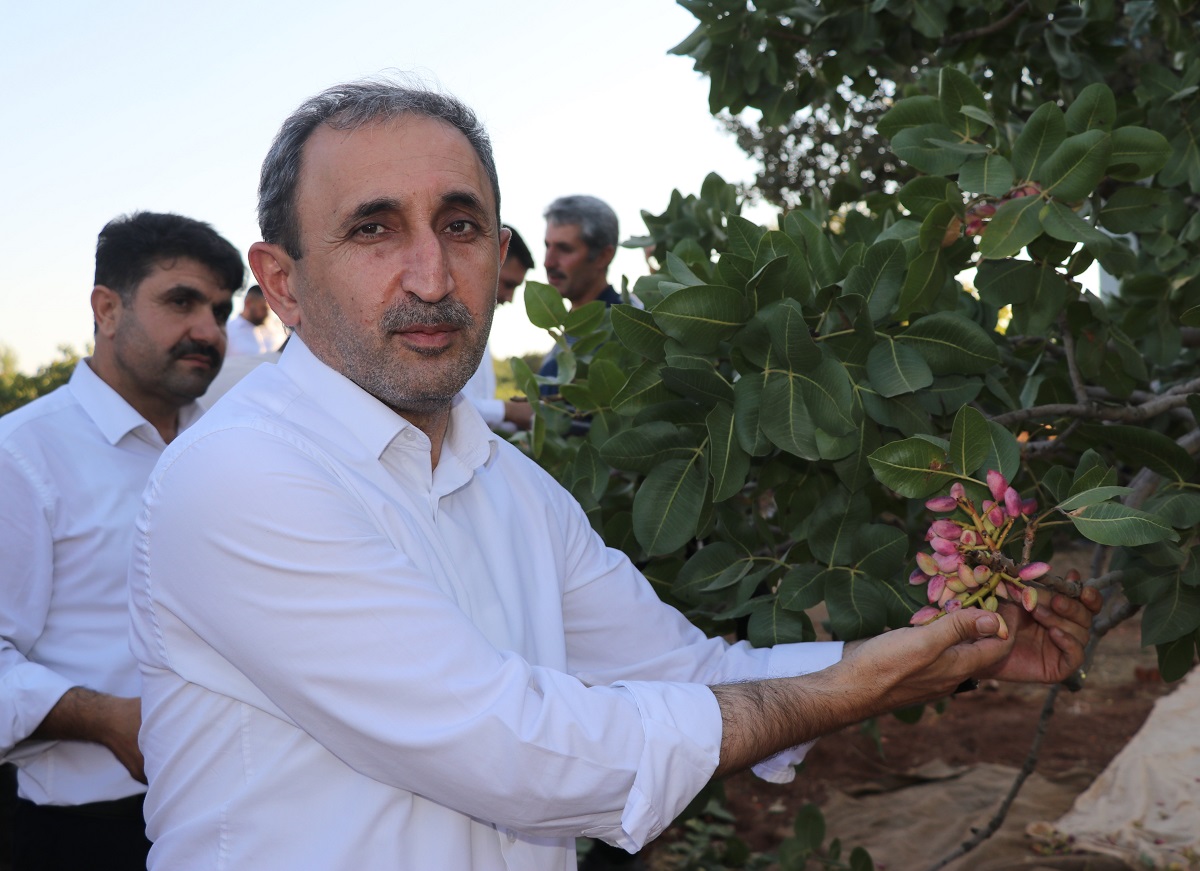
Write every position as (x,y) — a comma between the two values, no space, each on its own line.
(350,107)
(130,246)
(254,291)
(595,218)
(517,248)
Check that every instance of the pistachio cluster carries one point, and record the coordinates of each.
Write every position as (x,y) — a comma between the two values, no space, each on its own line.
(966,567)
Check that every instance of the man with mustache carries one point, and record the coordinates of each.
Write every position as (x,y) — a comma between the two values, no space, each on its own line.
(72,468)
(373,634)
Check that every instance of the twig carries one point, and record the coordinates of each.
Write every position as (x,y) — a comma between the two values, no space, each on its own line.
(987,29)
(1031,760)
(1128,414)
(1077,383)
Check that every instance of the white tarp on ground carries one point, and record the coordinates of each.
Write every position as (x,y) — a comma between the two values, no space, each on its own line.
(1145,807)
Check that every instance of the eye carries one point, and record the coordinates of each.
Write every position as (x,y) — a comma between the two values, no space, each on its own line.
(461,227)
(371,229)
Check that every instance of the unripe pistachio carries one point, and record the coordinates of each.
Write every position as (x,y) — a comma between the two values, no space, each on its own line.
(958,491)
(1033,571)
(982,574)
(925,616)
(1029,507)
(941,504)
(967,577)
(917,578)
(990,603)
(948,562)
(943,546)
(1012,503)
(926,563)
(947,529)
(956,584)
(1002,632)
(936,585)
(1029,598)
(947,595)
(1002,591)
(997,484)
(970,538)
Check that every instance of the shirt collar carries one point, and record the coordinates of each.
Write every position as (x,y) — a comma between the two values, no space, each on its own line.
(374,424)
(113,416)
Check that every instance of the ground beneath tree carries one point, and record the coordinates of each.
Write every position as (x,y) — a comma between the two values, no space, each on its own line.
(995,724)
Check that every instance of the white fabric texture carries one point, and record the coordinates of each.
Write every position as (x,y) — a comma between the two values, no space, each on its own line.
(353,661)
(72,468)
(481,390)
(243,337)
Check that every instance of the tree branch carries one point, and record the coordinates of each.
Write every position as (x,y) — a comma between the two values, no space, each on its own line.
(1125,414)
(987,29)
(1077,384)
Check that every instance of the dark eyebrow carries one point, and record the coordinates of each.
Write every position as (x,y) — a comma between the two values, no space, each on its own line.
(370,209)
(185,291)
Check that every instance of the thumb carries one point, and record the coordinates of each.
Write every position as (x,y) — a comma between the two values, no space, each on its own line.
(971,624)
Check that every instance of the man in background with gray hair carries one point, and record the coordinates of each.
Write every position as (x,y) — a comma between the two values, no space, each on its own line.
(581,239)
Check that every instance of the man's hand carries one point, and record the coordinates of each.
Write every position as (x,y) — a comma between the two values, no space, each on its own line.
(519,413)
(1049,641)
(86,715)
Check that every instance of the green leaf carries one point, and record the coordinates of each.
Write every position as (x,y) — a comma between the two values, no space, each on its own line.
(667,507)
(949,393)
(1004,454)
(704,567)
(809,827)
(700,317)
(644,388)
(970,440)
(747,408)
(781,270)
(744,236)
(828,394)
(1076,167)
(925,278)
(1045,130)
(910,112)
(991,175)
(791,338)
(771,624)
(802,587)
(880,550)
(1172,617)
(856,607)
(642,448)
(1175,657)
(1047,291)
(879,278)
(582,320)
(1015,224)
(1133,208)
(956,90)
(1114,524)
(544,306)
(728,463)
(784,418)
(922,193)
(950,343)
(638,332)
(913,145)
(1094,109)
(895,368)
(1137,153)
(704,385)
(913,467)
(1060,222)
(1092,497)
(821,257)
(1178,508)
(1139,445)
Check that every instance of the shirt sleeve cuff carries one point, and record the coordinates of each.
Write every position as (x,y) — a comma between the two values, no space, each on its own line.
(792,660)
(682,748)
(32,691)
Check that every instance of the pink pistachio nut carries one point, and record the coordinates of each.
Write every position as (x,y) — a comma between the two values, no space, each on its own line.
(1029,598)
(1029,507)
(1012,503)
(983,210)
(996,516)
(953,605)
(917,578)
(947,595)
(970,538)
(943,545)
(1002,633)
(955,582)
(1003,591)
(997,483)
(947,529)
(1033,571)
(958,491)
(941,504)
(967,577)
(927,564)
(983,574)
(937,584)
(948,563)
(925,616)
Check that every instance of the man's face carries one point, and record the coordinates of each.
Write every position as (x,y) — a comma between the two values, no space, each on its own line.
(169,340)
(512,276)
(568,266)
(401,251)
(254,308)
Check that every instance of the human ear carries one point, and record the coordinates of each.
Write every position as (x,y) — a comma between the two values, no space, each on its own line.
(273,268)
(106,310)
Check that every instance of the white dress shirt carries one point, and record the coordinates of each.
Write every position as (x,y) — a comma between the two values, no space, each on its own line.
(481,390)
(351,660)
(243,337)
(72,468)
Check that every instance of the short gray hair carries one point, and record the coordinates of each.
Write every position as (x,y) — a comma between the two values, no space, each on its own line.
(348,107)
(596,220)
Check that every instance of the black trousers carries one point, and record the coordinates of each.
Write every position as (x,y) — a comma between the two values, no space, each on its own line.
(103,836)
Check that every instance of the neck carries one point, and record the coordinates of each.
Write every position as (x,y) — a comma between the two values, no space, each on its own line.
(592,294)
(434,424)
(162,415)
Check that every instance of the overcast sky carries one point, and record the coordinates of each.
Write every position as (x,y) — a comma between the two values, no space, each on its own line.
(118,106)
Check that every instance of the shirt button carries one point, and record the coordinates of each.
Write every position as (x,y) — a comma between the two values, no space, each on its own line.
(512,836)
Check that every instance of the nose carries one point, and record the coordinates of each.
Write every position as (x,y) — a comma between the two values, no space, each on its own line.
(550,261)
(425,272)
(207,328)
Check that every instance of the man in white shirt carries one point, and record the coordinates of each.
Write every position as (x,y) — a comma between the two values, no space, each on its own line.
(72,468)
(373,634)
(506,415)
(247,333)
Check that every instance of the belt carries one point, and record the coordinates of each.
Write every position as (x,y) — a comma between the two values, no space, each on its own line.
(127,808)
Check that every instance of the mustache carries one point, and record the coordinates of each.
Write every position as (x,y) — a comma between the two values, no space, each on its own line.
(444,312)
(188,347)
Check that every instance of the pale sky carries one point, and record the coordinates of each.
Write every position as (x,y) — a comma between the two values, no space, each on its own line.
(124,105)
